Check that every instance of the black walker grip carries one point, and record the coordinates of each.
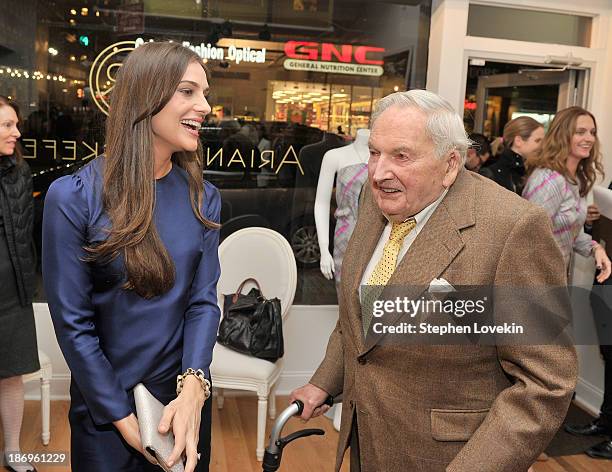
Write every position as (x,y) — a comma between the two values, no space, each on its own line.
(300,406)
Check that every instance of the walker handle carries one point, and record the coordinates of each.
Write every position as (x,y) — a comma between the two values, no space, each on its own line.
(274,451)
(329,401)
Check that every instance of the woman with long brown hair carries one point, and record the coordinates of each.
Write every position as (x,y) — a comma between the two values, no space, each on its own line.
(18,349)
(130,267)
(561,176)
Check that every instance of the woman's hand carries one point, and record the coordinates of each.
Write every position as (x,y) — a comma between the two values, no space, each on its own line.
(183,416)
(592,214)
(602,262)
(128,428)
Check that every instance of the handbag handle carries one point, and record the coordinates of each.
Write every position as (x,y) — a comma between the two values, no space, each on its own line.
(244,282)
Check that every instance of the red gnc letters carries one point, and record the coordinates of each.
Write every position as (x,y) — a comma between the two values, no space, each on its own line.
(328,52)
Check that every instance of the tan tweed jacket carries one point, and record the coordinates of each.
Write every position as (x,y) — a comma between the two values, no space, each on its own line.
(454,408)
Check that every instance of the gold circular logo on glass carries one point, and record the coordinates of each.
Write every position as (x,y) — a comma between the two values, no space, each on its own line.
(104,70)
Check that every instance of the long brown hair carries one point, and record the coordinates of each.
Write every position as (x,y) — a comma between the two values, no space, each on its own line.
(556,148)
(6,102)
(144,85)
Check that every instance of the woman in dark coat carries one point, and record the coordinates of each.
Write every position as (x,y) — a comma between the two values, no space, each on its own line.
(521,141)
(18,350)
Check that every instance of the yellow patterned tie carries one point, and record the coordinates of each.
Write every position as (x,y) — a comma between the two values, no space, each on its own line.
(385,267)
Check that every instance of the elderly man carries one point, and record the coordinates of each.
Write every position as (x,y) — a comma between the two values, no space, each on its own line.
(459,408)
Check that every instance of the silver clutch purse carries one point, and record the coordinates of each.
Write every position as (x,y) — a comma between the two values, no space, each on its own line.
(156,446)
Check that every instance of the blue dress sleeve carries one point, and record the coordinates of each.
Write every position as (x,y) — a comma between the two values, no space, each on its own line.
(68,286)
(203,314)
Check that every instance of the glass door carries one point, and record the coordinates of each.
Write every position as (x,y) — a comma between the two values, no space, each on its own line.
(537,93)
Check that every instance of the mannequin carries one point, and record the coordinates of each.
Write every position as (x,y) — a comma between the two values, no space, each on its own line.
(348,165)
(311,157)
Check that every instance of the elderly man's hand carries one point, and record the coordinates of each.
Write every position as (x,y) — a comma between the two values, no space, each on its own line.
(312,397)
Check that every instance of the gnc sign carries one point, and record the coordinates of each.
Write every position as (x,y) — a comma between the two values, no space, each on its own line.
(346,53)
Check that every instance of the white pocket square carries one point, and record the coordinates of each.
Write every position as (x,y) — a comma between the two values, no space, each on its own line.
(440,286)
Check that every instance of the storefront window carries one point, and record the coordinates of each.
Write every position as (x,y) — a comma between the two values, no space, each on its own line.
(284,74)
(310,104)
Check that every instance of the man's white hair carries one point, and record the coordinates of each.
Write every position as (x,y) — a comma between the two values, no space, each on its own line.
(444,126)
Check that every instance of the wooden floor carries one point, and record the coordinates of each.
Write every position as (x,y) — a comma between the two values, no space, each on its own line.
(233,447)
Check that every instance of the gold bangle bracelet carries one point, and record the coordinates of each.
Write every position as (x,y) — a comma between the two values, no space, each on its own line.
(199,374)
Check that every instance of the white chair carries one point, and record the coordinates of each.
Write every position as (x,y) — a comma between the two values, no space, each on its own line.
(44,377)
(265,255)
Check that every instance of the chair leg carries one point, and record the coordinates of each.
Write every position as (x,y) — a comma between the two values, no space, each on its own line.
(272,402)
(220,398)
(262,408)
(45,401)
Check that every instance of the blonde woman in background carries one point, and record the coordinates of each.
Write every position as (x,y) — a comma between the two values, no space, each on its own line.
(521,141)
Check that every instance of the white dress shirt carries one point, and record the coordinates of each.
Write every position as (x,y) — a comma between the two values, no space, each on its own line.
(421,218)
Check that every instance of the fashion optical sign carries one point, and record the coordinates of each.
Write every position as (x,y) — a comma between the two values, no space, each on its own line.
(333,58)
(215,53)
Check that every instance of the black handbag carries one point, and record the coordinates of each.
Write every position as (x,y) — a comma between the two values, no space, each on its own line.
(252,324)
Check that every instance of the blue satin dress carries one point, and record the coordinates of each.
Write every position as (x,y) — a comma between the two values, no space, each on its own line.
(112,338)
